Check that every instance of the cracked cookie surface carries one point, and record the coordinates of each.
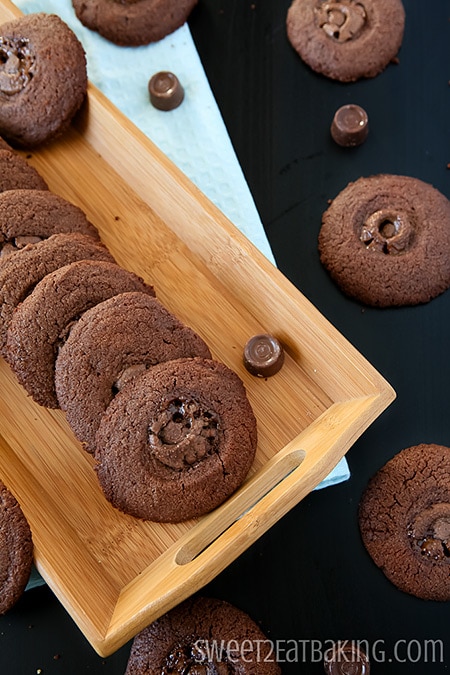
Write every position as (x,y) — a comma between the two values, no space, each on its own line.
(42,321)
(190,435)
(110,344)
(385,240)
(19,273)
(348,39)
(28,216)
(43,78)
(203,636)
(404,519)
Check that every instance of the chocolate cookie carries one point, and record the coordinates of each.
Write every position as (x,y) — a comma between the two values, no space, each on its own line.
(19,273)
(43,78)
(43,320)
(27,216)
(404,517)
(346,39)
(385,240)
(16,550)
(202,635)
(187,425)
(133,22)
(15,172)
(111,343)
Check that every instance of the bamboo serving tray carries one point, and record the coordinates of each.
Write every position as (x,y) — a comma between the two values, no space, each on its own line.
(113,573)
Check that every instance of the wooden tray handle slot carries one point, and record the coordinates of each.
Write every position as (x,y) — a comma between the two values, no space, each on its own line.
(250,494)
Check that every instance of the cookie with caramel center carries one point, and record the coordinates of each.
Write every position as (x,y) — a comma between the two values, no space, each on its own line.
(385,240)
(348,39)
(43,78)
(404,518)
(190,435)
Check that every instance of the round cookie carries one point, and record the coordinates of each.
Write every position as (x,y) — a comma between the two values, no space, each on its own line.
(346,39)
(385,240)
(133,22)
(16,173)
(26,216)
(112,342)
(16,550)
(187,425)
(404,518)
(42,321)
(43,78)
(19,273)
(202,635)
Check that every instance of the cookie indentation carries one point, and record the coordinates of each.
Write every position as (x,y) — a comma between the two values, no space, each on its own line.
(17,64)
(387,231)
(404,518)
(183,433)
(190,437)
(430,532)
(342,21)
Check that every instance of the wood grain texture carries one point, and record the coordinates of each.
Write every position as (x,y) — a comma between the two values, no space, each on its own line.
(113,573)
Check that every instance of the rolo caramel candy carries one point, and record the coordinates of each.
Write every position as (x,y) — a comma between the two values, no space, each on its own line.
(350,125)
(346,658)
(166,92)
(263,355)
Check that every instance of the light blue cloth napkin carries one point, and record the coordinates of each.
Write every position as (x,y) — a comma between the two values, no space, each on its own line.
(193,135)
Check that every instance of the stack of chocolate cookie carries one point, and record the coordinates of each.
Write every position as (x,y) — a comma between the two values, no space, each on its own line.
(140,389)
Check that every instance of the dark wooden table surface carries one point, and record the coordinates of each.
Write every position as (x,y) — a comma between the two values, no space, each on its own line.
(309,579)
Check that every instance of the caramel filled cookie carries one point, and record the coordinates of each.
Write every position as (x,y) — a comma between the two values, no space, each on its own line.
(190,438)
(15,172)
(43,320)
(16,550)
(347,39)
(385,240)
(133,22)
(202,635)
(43,78)
(27,216)
(404,518)
(19,273)
(110,344)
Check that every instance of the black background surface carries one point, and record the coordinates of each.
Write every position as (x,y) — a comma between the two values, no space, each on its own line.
(309,579)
